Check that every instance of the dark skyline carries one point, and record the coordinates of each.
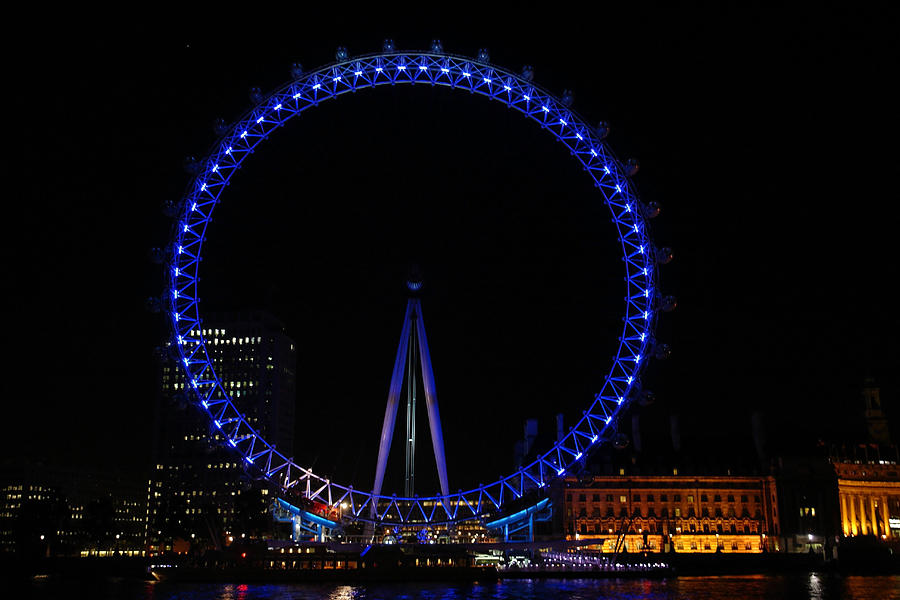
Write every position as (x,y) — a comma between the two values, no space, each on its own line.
(761,134)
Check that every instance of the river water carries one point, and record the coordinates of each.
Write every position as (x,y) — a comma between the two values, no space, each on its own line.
(738,587)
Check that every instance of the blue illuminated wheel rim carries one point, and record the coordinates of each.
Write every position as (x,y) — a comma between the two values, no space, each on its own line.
(213,173)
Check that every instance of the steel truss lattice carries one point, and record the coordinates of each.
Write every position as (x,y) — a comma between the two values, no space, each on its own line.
(423,68)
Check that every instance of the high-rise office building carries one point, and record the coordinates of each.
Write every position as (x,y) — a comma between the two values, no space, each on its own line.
(198,491)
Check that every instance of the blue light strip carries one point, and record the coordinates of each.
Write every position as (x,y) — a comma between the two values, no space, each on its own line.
(518,515)
(294,510)
(454,72)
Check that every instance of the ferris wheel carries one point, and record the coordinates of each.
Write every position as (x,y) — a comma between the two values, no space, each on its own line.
(306,90)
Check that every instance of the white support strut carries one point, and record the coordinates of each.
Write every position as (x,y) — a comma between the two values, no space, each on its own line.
(434,417)
(390,412)
(413,314)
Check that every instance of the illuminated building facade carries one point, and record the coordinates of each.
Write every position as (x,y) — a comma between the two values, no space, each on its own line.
(33,518)
(198,490)
(868,476)
(662,513)
(869,493)
(61,512)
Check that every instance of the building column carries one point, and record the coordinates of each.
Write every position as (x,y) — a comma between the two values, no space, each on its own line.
(866,524)
(851,500)
(887,516)
(866,508)
(874,510)
(845,518)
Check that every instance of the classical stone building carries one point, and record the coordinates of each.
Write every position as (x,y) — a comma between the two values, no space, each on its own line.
(868,476)
(869,494)
(681,513)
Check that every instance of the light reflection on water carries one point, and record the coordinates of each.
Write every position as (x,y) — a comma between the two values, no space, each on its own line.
(810,586)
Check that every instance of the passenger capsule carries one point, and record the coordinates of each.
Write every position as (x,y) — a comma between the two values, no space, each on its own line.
(220,127)
(632,166)
(341,53)
(568,98)
(388,45)
(483,55)
(664,256)
(651,210)
(602,130)
(662,351)
(668,303)
(180,400)
(296,70)
(646,398)
(437,47)
(156,255)
(153,304)
(255,95)
(170,208)
(528,73)
(191,165)
(620,442)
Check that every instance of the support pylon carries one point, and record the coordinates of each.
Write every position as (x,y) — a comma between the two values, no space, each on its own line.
(413,325)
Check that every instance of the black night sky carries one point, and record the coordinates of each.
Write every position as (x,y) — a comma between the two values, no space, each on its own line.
(766,136)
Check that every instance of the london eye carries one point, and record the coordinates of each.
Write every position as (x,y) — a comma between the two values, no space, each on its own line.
(622,384)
